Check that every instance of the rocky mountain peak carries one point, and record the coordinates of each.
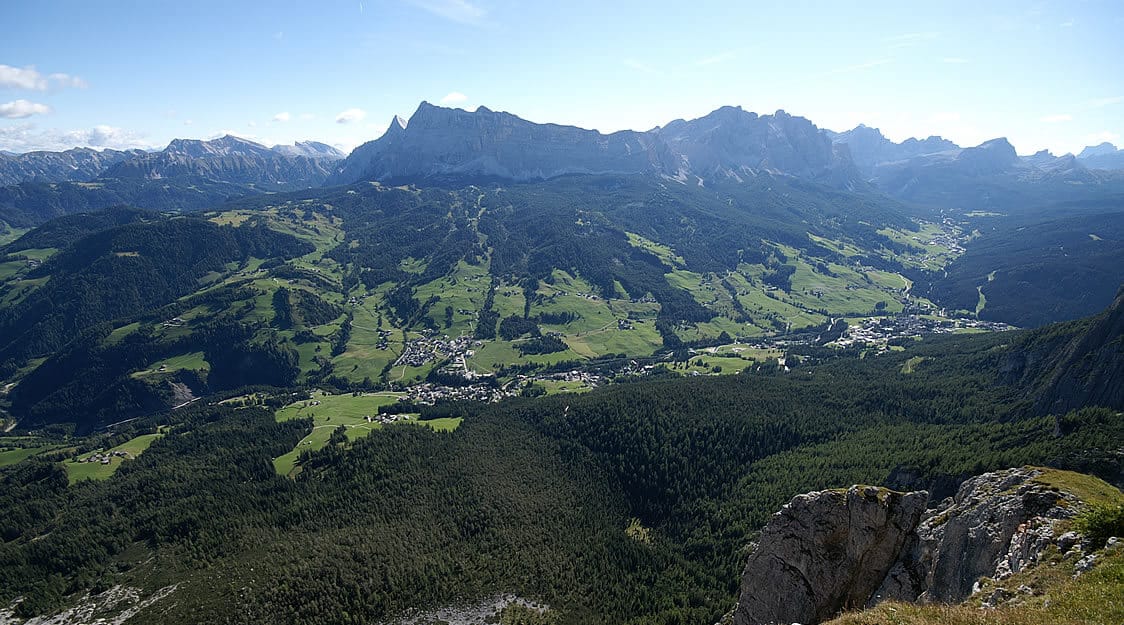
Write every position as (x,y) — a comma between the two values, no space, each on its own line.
(309,149)
(992,156)
(1101,149)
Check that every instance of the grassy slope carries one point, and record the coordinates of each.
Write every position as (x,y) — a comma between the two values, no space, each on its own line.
(78,471)
(348,411)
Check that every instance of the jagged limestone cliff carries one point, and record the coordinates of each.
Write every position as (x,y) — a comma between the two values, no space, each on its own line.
(829,551)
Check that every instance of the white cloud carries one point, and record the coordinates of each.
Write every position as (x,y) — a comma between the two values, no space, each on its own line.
(956,60)
(26,137)
(20,109)
(1100,102)
(283,116)
(350,115)
(26,78)
(456,10)
(455,97)
(252,124)
(66,80)
(30,78)
(1055,119)
(188,122)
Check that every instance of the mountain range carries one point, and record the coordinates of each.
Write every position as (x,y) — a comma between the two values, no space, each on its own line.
(223,157)
(442,144)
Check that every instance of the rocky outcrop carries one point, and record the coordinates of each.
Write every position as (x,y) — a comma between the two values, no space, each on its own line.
(824,552)
(832,550)
(997,524)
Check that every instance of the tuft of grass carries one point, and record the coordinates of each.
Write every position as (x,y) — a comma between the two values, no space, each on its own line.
(1091,490)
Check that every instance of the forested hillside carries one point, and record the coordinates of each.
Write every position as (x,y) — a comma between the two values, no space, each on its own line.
(530,496)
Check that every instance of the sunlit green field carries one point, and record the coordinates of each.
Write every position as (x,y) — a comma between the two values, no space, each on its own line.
(78,471)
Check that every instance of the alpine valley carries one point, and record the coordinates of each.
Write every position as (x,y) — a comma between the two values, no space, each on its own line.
(482,369)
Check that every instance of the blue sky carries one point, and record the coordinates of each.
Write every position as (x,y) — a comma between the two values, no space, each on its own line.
(136,74)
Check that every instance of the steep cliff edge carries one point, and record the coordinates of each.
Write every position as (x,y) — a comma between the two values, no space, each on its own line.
(829,551)
(824,552)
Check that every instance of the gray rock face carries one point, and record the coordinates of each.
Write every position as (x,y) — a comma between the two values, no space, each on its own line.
(449,142)
(870,148)
(234,160)
(996,525)
(1103,156)
(732,143)
(833,550)
(824,552)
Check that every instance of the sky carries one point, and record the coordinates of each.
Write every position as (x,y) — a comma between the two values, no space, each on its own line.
(136,74)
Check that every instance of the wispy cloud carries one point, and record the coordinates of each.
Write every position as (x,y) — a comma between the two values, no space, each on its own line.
(20,109)
(1067,24)
(461,11)
(66,80)
(956,60)
(25,78)
(910,39)
(29,78)
(455,97)
(728,55)
(1056,119)
(283,116)
(860,67)
(1102,102)
(642,67)
(350,115)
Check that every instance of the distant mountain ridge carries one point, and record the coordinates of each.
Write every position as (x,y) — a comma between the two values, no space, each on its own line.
(729,143)
(288,164)
(232,159)
(75,165)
